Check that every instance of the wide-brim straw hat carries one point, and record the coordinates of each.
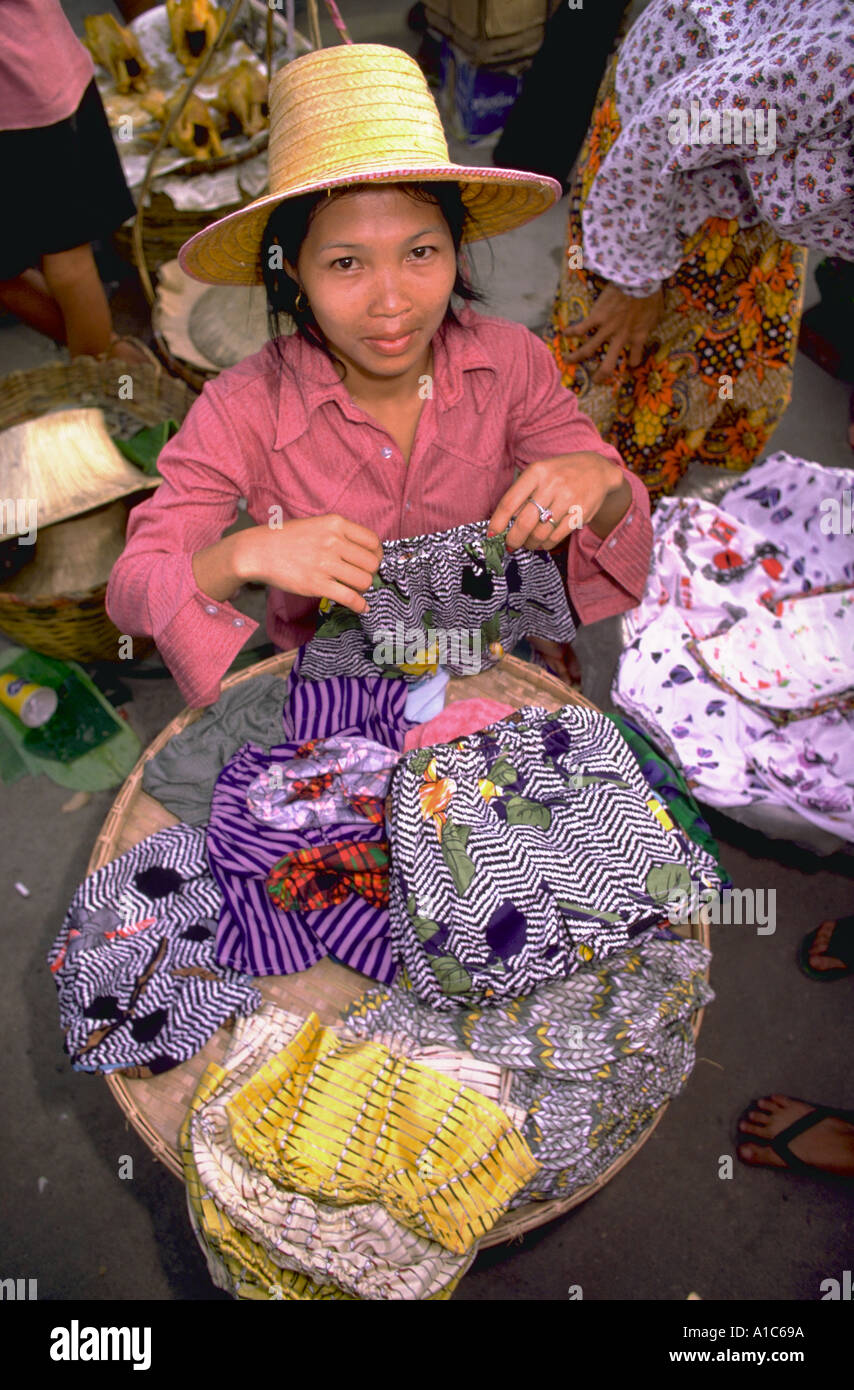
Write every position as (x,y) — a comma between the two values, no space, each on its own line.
(352,114)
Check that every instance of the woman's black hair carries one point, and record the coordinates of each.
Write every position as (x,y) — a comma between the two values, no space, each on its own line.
(288,226)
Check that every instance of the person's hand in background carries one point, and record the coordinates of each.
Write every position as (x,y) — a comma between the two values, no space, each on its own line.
(622,322)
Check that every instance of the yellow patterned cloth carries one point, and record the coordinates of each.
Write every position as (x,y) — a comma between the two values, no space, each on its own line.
(346,1121)
(237,1263)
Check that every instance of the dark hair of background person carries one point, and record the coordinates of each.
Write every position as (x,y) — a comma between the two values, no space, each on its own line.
(288,226)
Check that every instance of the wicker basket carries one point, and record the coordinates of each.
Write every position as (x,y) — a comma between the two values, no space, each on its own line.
(75,626)
(156,1107)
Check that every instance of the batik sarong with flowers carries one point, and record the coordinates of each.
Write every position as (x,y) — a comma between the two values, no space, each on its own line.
(720,223)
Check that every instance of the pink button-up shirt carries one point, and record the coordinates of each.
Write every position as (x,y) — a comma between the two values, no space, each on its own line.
(44,68)
(285,434)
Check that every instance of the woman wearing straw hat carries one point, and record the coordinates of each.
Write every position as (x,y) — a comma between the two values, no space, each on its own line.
(388,413)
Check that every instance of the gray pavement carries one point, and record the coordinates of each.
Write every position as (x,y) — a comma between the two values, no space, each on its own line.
(667,1225)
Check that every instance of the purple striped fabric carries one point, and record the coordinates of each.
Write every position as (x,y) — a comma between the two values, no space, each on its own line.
(372,706)
(255,936)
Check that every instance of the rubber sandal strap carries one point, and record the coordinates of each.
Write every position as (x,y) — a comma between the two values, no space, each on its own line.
(780,1142)
(841,943)
(841,946)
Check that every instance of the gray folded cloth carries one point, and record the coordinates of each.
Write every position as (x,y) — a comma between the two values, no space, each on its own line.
(183,774)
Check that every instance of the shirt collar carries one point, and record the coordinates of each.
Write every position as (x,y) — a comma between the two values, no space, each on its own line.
(309,379)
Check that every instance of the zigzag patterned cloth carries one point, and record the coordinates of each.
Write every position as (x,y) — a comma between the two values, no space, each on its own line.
(140,989)
(524,851)
(460,585)
(592,1057)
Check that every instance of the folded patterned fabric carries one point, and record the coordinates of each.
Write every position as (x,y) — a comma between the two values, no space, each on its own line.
(254,935)
(524,851)
(460,717)
(236,1263)
(711,677)
(347,1121)
(295,1246)
(327,781)
(140,989)
(592,1057)
(456,599)
(371,707)
(790,663)
(800,505)
(324,875)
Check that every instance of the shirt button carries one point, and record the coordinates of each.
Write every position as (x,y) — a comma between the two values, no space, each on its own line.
(612,543)
(211,608)
(408,507)
(238,622)
(386,452)
(629,519)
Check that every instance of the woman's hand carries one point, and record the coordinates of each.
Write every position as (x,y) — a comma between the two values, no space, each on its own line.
(319,557)
(578,489)
(623,322)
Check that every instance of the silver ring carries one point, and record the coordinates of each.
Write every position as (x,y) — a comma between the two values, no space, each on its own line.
(545,513)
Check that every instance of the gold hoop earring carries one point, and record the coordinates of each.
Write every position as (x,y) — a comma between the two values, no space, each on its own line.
(297,305)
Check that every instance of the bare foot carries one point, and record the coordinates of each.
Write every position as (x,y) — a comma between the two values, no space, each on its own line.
(828,1146)
(817,959)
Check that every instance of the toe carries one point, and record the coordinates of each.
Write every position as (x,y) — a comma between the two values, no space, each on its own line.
(749,1126)
(759,1155)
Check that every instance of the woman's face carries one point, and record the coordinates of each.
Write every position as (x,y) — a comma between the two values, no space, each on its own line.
(377,268)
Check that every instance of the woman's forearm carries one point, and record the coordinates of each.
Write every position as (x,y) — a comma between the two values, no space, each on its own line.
(220,569)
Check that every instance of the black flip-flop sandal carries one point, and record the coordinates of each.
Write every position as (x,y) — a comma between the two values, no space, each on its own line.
(780,1142)
(840,947)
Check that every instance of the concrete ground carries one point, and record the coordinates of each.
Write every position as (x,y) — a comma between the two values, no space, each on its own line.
(668,1224)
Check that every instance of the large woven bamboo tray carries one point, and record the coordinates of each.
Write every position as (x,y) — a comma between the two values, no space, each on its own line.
(156,1107)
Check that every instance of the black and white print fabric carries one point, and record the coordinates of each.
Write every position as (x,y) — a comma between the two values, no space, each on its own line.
(140,989)
(526,850)
(456,599)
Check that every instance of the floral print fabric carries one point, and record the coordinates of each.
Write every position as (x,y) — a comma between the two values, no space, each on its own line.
(792,662)
(524,851)
(720,229)
(326,782)
(652,190)
(456,599)
(730,749)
